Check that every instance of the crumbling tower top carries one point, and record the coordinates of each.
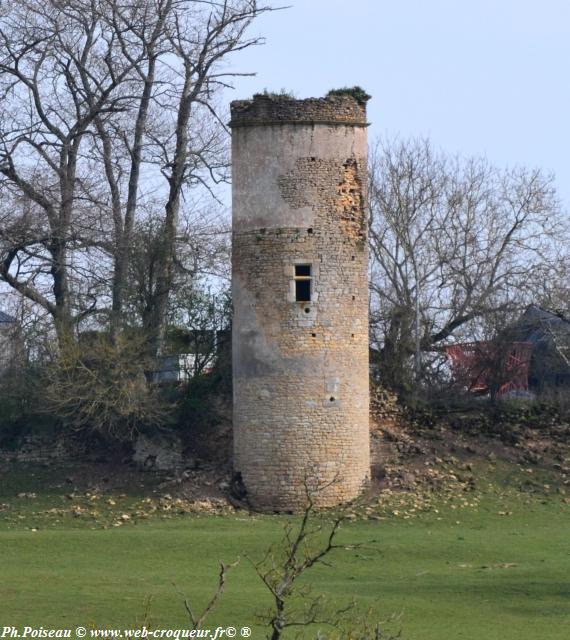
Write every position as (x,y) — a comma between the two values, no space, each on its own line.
(267,109)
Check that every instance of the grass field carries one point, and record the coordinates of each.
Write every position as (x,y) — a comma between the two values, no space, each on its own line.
(493,564)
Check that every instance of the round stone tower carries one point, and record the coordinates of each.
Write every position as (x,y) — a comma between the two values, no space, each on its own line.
(300,291)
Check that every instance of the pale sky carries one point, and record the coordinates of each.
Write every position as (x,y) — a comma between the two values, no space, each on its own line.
(478,77)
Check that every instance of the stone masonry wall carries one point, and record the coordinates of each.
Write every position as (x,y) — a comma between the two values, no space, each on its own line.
(300,368)
(264,110)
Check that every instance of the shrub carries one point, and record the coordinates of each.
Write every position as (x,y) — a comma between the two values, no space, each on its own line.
(356,92)
(100,386)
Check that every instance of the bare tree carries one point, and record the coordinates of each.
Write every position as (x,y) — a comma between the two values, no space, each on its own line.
(44,48)
(200,277)
(197,620)
(282,569)
(452,241)
(109,114)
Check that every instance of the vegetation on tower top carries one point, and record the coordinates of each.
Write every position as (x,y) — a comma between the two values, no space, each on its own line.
(356,92)
(282,94)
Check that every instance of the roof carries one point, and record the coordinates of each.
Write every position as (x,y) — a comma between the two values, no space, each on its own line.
(5,318)
(537,324)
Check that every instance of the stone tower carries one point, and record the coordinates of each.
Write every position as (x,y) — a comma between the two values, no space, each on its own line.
(300,290)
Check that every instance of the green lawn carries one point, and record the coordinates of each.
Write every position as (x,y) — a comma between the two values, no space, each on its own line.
(498,570)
